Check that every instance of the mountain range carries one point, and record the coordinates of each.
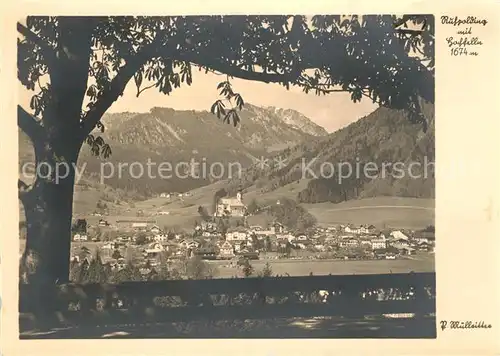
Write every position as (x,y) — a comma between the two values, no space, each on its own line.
(397,154)
(175,136)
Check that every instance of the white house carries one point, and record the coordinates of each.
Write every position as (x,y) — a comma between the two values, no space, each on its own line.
(363,230)
(155,229)
(404,249)
(398,235)
(236,236)
(423,236)
(189,244)
(124,238)
(154,248)
(366,229)
(139,225)
(346,237)
(351,229)
(256,228)
(226,250)
(330,239)
(421,240)
(160,238)
(378,244)
(400,242)
(319,247)
(80,237)
(349,243)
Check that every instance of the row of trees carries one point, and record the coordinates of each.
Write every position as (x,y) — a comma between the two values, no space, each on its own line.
(93,270)
(248,270)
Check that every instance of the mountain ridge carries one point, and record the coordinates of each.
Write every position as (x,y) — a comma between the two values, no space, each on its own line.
(385,135)
(258,126)
(177,136)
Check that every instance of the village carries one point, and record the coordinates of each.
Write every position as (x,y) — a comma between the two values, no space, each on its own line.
(147,245)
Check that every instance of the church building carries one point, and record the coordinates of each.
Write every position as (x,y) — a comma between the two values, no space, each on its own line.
(231,206)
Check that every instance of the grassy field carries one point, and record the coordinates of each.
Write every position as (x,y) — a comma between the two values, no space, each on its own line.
(396,212)
(420,263)
(411,213)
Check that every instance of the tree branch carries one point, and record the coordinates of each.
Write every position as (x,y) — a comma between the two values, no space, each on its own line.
(234,71)
(119,82)
(144,89)
(22,185)
(48,52)
(29,124)
(23,189)
(116,88)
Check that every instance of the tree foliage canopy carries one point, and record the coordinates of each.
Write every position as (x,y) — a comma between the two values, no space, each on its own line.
(365,56)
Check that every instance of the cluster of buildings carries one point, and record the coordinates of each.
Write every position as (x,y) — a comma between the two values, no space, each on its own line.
(336,239)
(209,242)
(253,242)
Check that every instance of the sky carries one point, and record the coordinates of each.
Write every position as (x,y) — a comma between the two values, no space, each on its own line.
(331,111)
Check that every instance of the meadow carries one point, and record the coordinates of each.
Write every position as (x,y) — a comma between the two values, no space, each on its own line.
(382,212)
(420,263)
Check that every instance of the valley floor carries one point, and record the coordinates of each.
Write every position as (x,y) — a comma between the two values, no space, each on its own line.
(417,263)
(394,212)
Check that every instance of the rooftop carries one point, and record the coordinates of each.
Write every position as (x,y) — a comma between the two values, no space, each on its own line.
(232,201)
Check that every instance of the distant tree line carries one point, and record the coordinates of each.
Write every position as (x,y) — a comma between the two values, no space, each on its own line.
(292,215)
(93,270)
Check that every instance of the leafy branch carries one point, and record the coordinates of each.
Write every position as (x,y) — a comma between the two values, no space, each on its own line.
(219,108)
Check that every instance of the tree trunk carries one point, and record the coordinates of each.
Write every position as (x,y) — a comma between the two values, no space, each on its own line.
(49,211)
(48,207)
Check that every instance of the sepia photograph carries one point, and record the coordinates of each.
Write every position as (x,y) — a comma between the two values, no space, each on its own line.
(227,176)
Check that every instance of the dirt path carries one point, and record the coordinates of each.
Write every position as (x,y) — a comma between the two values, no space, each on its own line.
(320,327)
